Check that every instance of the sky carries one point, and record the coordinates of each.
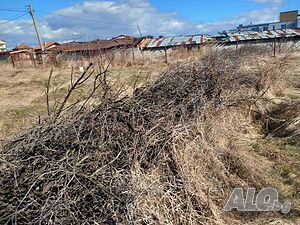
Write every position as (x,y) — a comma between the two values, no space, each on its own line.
(82,20)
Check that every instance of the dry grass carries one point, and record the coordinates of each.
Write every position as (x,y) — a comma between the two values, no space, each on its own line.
(168,154)
(22,90)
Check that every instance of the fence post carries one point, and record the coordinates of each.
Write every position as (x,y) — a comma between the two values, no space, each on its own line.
(12,59)
(142,53)
(133,58)
(166,55)
(33,60)
(274,47)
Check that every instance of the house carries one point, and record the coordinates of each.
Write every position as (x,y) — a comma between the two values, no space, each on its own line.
(20,47)
(123,37)
(4,56)
(288,20)
(47,46)
(22,53)
(2,46)
(94,48)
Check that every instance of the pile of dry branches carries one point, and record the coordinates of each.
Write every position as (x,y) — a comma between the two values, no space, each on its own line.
(80,167)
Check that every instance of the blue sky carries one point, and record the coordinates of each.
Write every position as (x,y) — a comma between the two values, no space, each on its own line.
(215,10)
(85,20)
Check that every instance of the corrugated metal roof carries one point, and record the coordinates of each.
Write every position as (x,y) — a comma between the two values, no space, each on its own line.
(173,41)
(253,35)
(144,42)
(154,42)
(230,37)
(166,41)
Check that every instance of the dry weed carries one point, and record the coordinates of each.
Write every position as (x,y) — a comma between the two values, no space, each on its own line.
(162,156)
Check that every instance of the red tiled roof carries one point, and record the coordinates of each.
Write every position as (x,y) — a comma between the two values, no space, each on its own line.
(22,46)
(46,45)
(98,44)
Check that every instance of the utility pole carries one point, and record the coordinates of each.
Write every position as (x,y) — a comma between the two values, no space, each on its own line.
(139,30)
(31,12)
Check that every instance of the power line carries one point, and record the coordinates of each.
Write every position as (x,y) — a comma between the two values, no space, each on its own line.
(43,22)
(81,36)
(12,10)
(17,17)
(57,14)
(21,28)
(85,19)
(48,23)
(71,17)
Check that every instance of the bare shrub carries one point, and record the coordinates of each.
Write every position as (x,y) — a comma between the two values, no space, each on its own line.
(152,158)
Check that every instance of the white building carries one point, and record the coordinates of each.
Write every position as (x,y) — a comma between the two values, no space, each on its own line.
(288,20)
(2,46)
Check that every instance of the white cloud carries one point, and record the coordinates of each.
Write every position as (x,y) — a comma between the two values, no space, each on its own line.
(103,19)
(254,16)
(274,2)
(108,18)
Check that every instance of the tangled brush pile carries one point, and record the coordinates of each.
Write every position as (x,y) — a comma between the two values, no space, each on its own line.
(117,163)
